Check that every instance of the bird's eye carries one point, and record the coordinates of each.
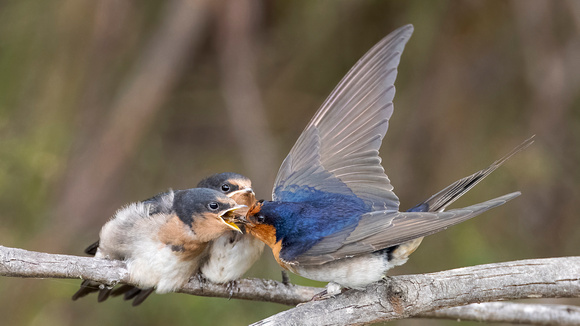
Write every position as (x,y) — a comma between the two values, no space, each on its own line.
(213,206)
(260,218)
(225,187)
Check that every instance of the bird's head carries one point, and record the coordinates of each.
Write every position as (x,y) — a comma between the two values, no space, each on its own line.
(208,212)
(260,224)
(233,185)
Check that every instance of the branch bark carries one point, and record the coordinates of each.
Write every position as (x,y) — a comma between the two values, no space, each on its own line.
(398,297)
(508,312)
(22,263)
(410,295)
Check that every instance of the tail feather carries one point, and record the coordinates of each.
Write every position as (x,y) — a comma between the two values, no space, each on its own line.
(92,249)
(444,198)
(87,287)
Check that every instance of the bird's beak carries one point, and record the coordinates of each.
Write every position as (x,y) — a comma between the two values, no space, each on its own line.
(243,220)
(252,210)
(244,196)
(230,215)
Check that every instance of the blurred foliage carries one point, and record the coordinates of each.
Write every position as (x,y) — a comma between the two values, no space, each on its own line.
(476,79)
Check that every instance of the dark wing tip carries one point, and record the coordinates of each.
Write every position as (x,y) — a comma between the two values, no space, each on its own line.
(92,249)
(141,296)
(87,287)
(103,294)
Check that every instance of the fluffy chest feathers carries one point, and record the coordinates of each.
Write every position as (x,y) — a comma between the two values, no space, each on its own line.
(160,250)
(230,256)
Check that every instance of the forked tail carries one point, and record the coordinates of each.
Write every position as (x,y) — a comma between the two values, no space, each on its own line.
(442,199)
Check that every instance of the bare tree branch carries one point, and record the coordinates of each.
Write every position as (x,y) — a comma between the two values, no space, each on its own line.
(409,295)
(398,297)
(508,312)
(22,263)
(253,289)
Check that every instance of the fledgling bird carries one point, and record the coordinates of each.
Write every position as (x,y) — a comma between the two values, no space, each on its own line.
(232,254)
(163,240)
(334,216)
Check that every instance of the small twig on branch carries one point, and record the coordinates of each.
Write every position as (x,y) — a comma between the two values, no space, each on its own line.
(398,297)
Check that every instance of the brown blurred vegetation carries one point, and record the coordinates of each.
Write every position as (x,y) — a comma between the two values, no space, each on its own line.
(108,102)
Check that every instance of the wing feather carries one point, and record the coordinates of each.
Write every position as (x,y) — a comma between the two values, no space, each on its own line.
(382,229)
(338,151)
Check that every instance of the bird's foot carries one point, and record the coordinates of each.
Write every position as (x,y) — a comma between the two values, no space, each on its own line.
(231,286)
(200,279)
(332,290)
(320,296)
(386,279)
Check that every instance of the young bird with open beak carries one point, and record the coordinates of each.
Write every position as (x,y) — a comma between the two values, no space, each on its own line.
(164,240)
(233,253)
(334,216)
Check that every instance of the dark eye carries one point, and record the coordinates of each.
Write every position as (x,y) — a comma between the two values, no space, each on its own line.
(260,218)
(225,187)
(213,206)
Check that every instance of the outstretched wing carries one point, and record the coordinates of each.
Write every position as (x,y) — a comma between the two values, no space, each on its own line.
(379,230)
(338,152)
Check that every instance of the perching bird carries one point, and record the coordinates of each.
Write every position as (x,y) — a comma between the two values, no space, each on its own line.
(334,216)
(232,254)
(163,240)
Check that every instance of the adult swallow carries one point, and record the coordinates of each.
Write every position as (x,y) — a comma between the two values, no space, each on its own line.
(334,216)
(233,253)
(163,240)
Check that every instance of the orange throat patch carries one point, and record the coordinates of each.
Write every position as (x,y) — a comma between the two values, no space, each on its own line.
(267,234)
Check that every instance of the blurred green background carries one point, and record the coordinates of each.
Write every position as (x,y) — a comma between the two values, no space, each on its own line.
(108,102)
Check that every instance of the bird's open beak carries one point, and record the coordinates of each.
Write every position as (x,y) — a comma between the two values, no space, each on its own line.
(229,216)
(244,196)
(242,220)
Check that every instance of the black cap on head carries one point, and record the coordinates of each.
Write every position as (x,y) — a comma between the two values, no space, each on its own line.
(225,182)
(196,201)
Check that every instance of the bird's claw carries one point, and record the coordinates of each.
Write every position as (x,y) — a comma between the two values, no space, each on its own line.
(331,291)
(323,295)
(231,286)
(200,279)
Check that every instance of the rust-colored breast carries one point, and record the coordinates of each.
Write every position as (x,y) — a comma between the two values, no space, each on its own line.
(267,234)
(264,232)
(175,233)
(276,251)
